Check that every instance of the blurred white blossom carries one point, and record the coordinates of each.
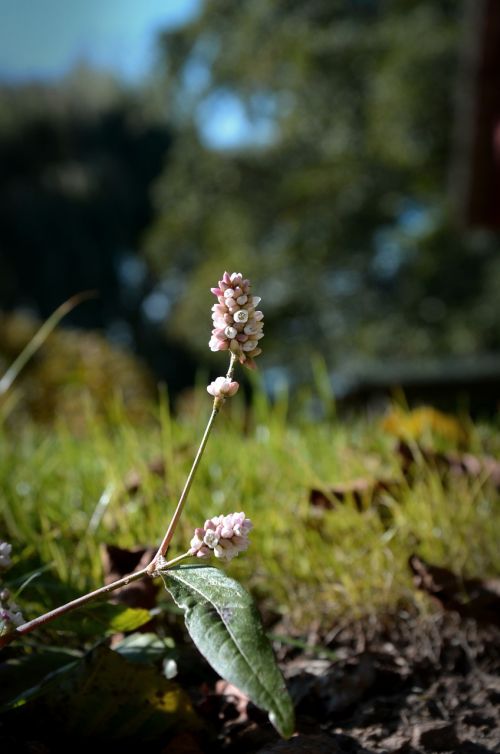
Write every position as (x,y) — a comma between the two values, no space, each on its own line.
(10,614)
(5,551)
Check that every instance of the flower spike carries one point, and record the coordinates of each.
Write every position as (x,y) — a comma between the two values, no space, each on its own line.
(238,325)
(223,536)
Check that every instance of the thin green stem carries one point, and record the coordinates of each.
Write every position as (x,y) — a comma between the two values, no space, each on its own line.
(218,402)
(232,365)
(185,492)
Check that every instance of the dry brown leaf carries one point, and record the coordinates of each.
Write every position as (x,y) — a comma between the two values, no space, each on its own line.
(470,598)
(363,492)
(118,562)
(454,464)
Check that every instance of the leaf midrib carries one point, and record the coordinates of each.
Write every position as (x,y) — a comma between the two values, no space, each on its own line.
(253,673)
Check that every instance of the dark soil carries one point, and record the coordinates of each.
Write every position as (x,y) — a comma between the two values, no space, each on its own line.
(406,686)
(413,686)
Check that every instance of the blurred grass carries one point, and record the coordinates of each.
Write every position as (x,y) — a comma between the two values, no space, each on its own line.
(305,562)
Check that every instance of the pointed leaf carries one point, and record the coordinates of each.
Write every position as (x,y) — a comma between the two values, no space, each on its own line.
(223,622)
(103,697)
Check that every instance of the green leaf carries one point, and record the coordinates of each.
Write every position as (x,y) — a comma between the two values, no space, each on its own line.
(103,618)
(20,676)
(147,647)
(111,698)
(223,622)
(104,697)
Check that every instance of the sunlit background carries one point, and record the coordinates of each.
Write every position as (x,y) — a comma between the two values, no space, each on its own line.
(340,153)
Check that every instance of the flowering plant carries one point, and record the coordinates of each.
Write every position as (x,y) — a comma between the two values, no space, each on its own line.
(10,614)
(237,326)
(225,535)
(219,614)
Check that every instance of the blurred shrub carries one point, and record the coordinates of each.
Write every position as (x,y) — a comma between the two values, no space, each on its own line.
(72,369)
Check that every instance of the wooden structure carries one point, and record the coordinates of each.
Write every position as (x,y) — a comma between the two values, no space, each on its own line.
(476,174)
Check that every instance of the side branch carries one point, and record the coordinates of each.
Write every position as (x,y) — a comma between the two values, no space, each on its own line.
(103,591)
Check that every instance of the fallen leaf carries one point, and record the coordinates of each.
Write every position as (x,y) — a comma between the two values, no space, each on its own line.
(119,562)
(107,697)
(334,688)
(455,464)
(234,696)
(470,598)
(363,492)
(437,737)
(423,421)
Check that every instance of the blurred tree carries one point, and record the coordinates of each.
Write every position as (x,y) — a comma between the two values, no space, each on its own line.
(77,160)
(332,193)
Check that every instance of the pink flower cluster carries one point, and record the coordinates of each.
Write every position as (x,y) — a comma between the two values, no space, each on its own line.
(5,552)
(222,387)
(238,327)
(224,536)
(10,614)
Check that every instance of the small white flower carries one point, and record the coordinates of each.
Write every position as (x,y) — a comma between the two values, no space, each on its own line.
(250,329)
(5,551)
(211,539)
(241,316)
(15,615)
(10,614)
(250,345)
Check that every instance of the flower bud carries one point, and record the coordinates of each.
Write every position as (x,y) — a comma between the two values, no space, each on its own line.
(222,387)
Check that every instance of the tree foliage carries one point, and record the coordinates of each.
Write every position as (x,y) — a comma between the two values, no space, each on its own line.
(339,205)
(77,160)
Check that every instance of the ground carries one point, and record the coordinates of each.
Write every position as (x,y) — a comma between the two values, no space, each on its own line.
(412,686)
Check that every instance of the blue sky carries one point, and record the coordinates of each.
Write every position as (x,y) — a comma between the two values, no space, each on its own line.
(43,39)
